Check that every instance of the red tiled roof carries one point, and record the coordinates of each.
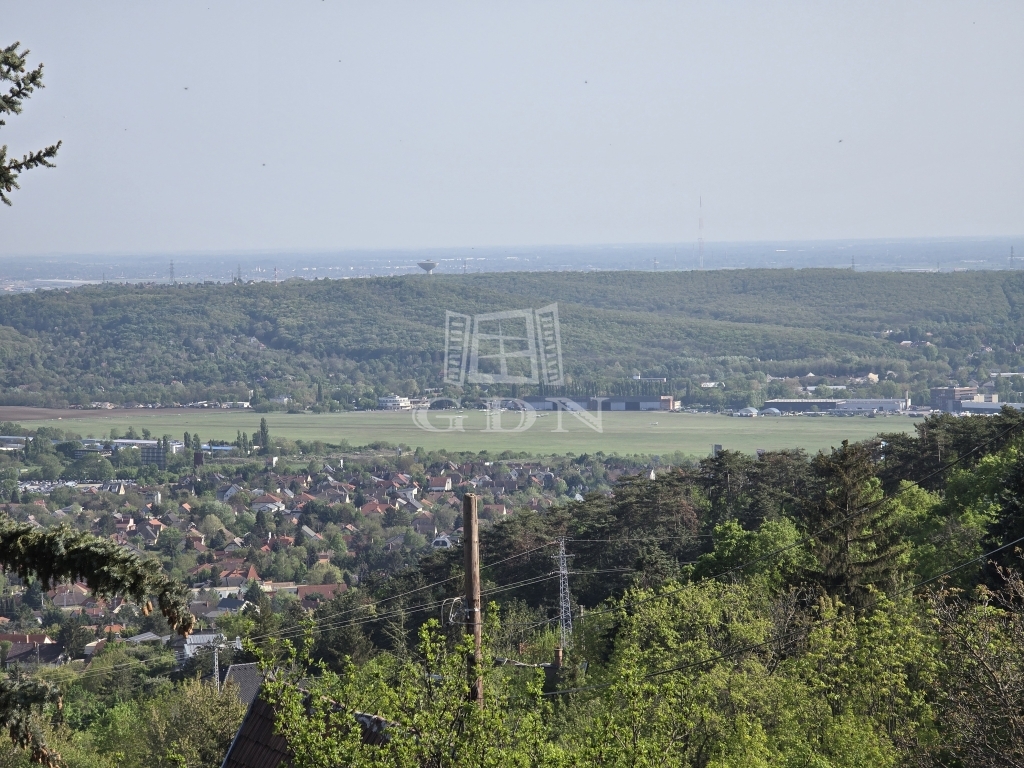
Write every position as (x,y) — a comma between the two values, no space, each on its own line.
(327,591)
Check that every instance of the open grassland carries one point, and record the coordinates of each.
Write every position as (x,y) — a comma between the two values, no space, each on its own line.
(623,433)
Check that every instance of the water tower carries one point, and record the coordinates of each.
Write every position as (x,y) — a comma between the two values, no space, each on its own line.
(427,266)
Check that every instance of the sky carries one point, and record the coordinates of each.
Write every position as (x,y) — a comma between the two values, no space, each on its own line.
(249,126)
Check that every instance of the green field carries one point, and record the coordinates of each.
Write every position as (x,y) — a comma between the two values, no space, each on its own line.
(623,433)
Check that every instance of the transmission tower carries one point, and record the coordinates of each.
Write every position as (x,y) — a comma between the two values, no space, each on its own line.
(172,271)
(564,599)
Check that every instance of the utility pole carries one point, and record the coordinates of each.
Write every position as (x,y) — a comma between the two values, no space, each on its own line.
(564,599)
(474,627)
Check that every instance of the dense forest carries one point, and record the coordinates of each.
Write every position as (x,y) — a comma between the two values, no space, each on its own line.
(341,343)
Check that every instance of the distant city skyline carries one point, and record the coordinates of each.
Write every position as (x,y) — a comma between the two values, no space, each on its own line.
(324,127)
(897,255)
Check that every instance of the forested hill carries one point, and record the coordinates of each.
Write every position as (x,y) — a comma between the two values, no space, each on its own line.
(363,337)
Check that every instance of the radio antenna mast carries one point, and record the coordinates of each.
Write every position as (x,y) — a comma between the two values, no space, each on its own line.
(700,230)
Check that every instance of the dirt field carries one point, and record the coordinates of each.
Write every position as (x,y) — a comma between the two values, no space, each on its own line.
(24,413)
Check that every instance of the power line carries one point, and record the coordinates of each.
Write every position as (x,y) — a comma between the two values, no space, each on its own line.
(427,586)
(331,620)
(355,622)
(770,641)
(643,539)
(830,526)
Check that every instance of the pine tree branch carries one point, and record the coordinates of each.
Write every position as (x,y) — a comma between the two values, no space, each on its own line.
(108,569)
(20,699)
(23,85)
(12,70)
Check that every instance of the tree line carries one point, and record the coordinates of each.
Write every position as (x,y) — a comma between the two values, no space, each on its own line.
(341,343)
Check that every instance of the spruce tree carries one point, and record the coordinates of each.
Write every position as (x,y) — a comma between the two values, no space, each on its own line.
(853,535)
(14,70)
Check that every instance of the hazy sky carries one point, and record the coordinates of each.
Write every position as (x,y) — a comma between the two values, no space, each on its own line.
(252,125)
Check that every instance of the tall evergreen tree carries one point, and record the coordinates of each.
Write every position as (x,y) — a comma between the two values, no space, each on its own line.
(853,534)
(14,70)
(264,436)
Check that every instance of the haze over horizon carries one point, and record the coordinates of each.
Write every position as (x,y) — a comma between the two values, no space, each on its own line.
(316,127)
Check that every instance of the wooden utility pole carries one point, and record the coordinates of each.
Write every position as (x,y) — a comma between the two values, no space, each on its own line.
(474,625)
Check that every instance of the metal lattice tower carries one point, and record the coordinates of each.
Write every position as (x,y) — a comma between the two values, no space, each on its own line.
(564,599)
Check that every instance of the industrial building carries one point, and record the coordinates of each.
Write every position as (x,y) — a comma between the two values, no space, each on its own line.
(844,406)
(964,400)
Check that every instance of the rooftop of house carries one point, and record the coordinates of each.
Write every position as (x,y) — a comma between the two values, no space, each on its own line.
(248,678)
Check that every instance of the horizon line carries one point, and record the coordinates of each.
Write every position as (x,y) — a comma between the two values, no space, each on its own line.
(286,250)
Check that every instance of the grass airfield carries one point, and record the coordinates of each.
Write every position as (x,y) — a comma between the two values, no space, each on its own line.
(653,432)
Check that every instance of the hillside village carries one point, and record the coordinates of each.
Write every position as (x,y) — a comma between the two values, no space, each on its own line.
(299,531)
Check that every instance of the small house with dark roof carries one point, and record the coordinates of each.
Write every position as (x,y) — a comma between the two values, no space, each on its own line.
(258,745)
(34,654)
(247,678)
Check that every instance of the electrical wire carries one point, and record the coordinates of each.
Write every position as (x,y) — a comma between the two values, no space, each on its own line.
(774,640)
(830,526)
(642,540)
(322,623)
